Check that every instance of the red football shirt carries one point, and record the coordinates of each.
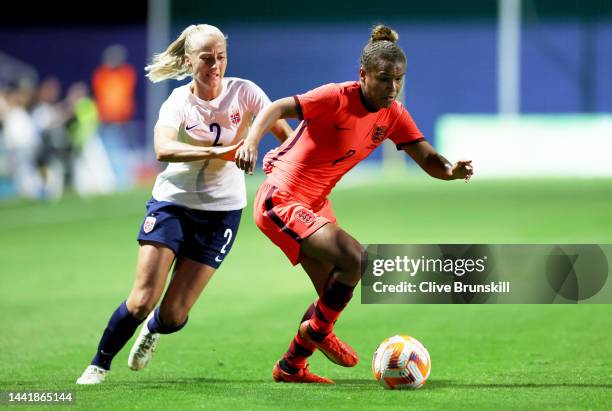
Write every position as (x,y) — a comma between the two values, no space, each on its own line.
(336,132)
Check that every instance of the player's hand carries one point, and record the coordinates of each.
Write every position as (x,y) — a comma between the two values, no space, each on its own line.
(463,169)
(246,157)
(228,153)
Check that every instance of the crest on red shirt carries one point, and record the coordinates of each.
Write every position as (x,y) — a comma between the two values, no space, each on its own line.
(305,216)
(378,134)
(235,117)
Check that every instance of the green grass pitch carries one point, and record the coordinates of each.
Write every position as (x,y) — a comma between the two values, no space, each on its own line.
(66,266)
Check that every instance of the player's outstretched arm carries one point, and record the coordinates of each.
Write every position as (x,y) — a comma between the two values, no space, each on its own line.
(246,156)
(436,165)
(170,150)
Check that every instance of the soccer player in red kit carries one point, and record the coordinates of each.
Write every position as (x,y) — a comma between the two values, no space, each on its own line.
(341,124)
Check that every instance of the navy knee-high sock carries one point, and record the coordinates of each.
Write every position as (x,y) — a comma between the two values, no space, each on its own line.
(119,330)
(156,325)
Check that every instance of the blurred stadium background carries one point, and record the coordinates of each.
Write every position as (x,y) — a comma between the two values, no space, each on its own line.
(526,79)
(523,87)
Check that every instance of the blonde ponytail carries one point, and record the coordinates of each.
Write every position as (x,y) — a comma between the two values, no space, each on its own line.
(171,63)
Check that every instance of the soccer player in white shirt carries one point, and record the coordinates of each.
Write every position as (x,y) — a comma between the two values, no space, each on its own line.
(197,200)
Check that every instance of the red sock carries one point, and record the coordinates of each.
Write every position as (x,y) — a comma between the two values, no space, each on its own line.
(335,297)
(299,350)
(309,313)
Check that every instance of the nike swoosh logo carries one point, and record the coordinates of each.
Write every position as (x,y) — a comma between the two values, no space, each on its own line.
(337,127)
(217,259)
(190,127)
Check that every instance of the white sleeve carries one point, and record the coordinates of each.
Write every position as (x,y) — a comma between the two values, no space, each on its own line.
(254,97)
(171,112)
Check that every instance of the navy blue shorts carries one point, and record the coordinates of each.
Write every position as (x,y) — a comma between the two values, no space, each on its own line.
(203,236)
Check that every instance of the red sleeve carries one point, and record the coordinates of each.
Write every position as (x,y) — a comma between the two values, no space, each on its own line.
(405,131)
(321,100)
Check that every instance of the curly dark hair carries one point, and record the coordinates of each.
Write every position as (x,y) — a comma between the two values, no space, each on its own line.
(382,45)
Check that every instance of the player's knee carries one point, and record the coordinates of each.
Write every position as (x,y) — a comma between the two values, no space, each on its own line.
(353,254)
(140,304)
(140,311)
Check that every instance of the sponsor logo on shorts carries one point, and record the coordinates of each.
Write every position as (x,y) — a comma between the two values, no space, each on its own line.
(378,134)
(149,224)
(305,216)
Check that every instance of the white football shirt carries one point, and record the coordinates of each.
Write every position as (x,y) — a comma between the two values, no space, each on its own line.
(215,185)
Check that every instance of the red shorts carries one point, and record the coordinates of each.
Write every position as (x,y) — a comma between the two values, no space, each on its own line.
(287,220)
